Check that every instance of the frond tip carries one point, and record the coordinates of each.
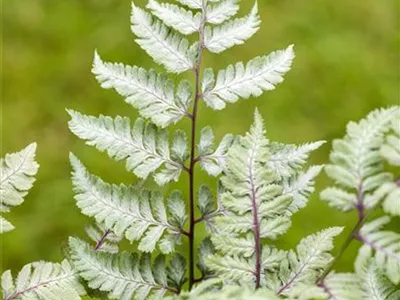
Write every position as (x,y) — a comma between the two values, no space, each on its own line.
(17,171)
(43,280)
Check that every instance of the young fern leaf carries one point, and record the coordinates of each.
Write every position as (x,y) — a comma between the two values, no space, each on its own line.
(221,11)
(136,213)
(144,147)
(153,94)
(235,32)
(305,266)
(390,150)
(126,276)
(175,16)
(17,171)
(165,46)
(239,81)
(43,281)
(356,164)
(384,246)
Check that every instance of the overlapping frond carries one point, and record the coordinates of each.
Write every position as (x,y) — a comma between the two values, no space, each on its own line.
(165,46)
(239,81)
(152,93)
(125,275)
(213,161)
(17,171)
(138,214)
(383,245)
(234,32)
(343,286)
(356,163)
(104,239)
(43,281)
(144,147)
(304,266)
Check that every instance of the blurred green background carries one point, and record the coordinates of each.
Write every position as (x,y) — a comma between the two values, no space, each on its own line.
(347,63)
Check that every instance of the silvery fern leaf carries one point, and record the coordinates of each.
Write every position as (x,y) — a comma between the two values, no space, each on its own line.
(125,275)
(233,267)
(136,213)
(17,171)
(175,16)
(384,246)
(43,281)
(231,33)
(390,150)
(216,289)
(356,163)
(234,246)
(153,94)
(205,249)
(144,147)
(305,266)
(307,292)
(300,187)
(165,46)
(213,162)
(239,81)
(221,11)
(103,239)
(376,286)
(288,159)
(342,286)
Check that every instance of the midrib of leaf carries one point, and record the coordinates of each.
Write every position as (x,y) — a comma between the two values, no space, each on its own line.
(364,239)
(256,222)
(31,288)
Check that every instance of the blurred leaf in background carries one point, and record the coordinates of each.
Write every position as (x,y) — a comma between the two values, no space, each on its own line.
(347,63)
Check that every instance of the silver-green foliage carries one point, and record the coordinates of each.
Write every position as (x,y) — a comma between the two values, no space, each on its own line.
(43,281)
(17,171)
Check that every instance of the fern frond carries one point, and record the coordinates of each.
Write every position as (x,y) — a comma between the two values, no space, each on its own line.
(356,163)
(286,160)
(17,171)
(205,250)
(311,258)
(342,286)
(193,4)
(233,267)
(175,16)
(153,94)
(165,46)
(125,275)
(300,187)
(104,239)
(43,281)
(238,81)
(390,150)
(144,147)
(138,214)
(234,246)
(235,32)
(221,11)
(376,286)
(307,292)
(384,246)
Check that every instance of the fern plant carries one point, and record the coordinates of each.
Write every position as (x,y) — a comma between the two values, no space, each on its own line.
(259,184)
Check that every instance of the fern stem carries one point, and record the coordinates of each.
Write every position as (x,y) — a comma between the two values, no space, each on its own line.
(353,234)
(100,242)
(193,159)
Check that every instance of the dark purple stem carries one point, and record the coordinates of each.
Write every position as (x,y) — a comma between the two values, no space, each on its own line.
(100,242)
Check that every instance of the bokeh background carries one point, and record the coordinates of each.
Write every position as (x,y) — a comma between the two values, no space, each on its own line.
(347,63)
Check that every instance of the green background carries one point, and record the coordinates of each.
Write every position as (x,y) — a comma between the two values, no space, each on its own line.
(347,63)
